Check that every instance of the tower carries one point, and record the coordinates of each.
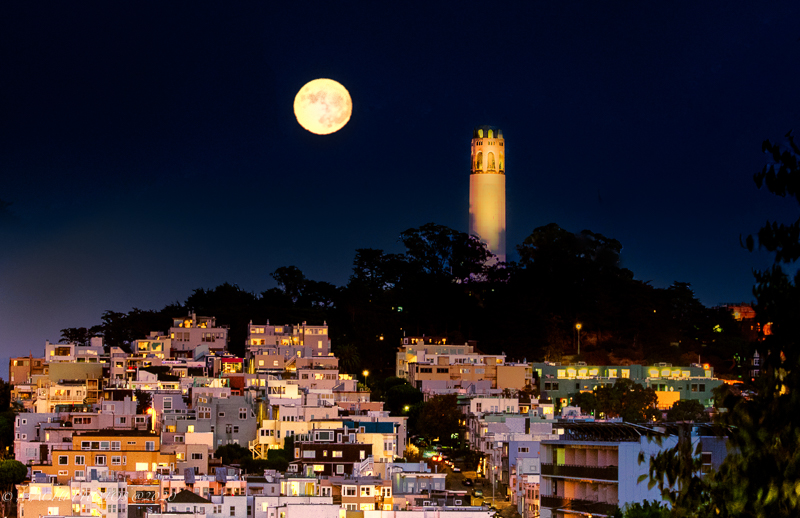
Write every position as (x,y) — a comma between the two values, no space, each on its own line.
(487,189)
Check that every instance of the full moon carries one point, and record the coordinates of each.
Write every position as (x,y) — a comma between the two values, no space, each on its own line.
(323,106)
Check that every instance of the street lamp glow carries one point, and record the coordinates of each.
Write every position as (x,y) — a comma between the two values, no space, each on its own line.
(365,373)
(578,326)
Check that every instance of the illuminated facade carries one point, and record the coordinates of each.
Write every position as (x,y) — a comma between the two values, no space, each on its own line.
(487,189)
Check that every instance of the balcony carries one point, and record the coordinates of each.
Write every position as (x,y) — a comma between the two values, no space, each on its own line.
(581,506)
(610,473)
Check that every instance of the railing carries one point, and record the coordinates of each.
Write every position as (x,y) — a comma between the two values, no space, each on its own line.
(580,471)
(581,506)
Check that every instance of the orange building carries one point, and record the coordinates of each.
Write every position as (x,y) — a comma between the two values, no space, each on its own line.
(132,453)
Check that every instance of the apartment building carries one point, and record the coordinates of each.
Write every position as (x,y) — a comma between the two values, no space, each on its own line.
(95,454)
(594,467)
(359,493)
(299,340)
(413,348)
(326,452)
(466,368)
(671,383)
(194,335)
(20,369)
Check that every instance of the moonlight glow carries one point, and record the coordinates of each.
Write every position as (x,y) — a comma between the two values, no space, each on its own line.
(323,106)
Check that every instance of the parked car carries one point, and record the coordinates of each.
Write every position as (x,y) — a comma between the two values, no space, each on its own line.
(477,493)
(467,482)
(456,469)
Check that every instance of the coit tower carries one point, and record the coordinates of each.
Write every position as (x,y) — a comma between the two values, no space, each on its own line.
(487,189)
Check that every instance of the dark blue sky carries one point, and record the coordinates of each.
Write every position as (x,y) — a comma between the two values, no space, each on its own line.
(151,149)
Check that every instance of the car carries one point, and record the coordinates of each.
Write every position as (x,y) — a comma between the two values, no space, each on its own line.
(477,493)
(467,482)
(456,469)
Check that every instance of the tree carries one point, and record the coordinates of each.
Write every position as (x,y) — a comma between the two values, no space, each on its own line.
(586,401)
(439,418)
(291,281)
(628,400)
(400,396)
(445,253)
(76,335)
(12,472)
(232,453)
(143,401)
(687,410)
(760,475)
(646,509)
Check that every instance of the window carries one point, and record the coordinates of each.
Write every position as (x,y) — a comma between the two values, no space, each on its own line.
(116,445)
(523,449)
(100,460)
(233,511)
(116,460)
(242,414)
(197,456)
(80,460)
(235,429)
(706,459)
(349,490)
(79,473)
(339,469)
(337,454)
(180,456)
(86,445)
(228,428)
(168,403)
(221,414)
(150,445)
(63,460)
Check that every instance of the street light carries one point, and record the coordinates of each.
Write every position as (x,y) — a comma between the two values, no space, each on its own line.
(365,373)
(578,327)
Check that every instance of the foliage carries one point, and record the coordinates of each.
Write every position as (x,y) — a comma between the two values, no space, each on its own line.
(8,415)
(687,410)
(586,401)
(439,418)
(646,509)
(760,476)
(677,473)
(12,472)
(236,454)
(628,400)
(144,400)
(76,335)
(441,286)
(401,395)
(232,453)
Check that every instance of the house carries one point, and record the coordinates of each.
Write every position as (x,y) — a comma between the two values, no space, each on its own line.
(132,453)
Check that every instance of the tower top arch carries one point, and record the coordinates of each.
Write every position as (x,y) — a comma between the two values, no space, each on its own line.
(483,132)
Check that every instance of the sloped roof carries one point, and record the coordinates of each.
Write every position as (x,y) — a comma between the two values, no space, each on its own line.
(187,497)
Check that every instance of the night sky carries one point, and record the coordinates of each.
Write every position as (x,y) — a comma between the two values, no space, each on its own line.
(149,149)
